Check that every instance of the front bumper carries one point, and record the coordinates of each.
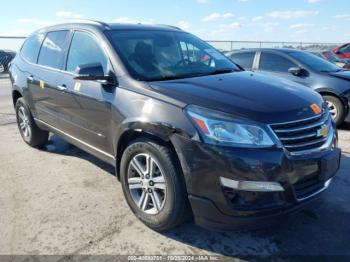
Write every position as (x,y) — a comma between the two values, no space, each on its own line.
(302,177)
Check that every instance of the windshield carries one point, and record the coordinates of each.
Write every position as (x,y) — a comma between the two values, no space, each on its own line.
(161,55)
(315,63)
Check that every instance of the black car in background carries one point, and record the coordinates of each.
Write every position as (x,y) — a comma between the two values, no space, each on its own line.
(189,133)
(6,57)
(332,82)
(333,58)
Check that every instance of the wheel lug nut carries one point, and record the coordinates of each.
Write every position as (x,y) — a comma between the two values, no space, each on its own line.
(147,176)
(149,190)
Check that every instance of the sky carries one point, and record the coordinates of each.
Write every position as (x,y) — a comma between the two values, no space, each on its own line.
(264,20)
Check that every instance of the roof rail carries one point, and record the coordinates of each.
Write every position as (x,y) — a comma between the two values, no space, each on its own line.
(93,22)
(171,26)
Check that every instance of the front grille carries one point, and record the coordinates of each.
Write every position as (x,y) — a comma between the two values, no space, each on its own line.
(307,187)
(303,134)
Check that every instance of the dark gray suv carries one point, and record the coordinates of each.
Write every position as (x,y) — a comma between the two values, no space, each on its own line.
(189,133)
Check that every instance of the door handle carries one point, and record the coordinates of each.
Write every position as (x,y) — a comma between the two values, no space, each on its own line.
(62,87)
(30,78)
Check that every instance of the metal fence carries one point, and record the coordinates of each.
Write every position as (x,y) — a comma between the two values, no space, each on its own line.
(14,43)
(234,45)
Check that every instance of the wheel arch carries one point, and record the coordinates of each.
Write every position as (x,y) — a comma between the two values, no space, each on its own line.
(330,92)
(157,132)
(15,95)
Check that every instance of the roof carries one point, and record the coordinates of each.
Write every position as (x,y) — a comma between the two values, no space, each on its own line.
(97,25)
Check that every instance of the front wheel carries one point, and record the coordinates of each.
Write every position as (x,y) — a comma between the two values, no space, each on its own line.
(153,187)
(336,109)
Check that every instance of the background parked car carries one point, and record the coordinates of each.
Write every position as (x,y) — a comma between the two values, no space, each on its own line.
(333,58)
(332,82)
(343,51)
(6,57)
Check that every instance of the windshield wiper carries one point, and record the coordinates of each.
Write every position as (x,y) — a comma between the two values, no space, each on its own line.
(214,72)
(332,71)
(221,71)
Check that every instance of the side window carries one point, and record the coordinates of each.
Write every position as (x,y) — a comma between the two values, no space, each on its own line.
(53,49)
(274,62)
(84,49)
(345,49)
(245,59)
(30,48)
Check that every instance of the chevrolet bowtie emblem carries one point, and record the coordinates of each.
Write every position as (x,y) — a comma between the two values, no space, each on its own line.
(316,109)
(323,131)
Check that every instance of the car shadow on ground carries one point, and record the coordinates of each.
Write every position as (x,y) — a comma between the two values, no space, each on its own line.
(57,145)
(320,229)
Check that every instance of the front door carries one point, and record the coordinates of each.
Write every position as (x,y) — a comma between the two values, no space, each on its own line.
(278,65)
(87,116)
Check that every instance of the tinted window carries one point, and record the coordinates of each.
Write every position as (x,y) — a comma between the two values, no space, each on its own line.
(84,49)
(313,62)
(161,55)
(31,46)
(345,49)
(275,62)
(245,59)
(52,50)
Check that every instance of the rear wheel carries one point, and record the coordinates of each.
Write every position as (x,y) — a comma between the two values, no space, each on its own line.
(152,185)
(336,109)
(29,131)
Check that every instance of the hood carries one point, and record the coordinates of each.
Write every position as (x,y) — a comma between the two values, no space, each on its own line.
(341,74)
(244,94)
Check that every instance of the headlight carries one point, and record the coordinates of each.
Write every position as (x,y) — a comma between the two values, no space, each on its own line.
(218,128)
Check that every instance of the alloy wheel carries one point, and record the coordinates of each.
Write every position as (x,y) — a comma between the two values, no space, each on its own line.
(332,109)
(24,123)
(146,183)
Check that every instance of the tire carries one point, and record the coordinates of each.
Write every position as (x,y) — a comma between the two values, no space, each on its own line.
(336,109)
(174,208)
(34,136)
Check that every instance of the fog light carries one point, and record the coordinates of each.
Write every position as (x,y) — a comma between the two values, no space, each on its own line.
(251,185)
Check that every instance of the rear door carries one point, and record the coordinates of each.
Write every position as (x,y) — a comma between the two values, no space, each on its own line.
(44,91)
(87,116)
(244,59)
(278,64)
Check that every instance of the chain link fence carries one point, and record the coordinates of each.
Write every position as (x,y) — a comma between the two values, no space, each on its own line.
(235,45)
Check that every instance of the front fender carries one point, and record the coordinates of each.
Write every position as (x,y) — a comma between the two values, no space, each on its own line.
(140,113)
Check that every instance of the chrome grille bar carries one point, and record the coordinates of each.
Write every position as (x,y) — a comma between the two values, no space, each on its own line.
(302,135)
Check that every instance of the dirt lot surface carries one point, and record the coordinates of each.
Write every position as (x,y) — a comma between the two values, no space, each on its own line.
(61,200)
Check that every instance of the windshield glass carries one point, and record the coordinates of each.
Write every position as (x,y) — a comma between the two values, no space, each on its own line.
(315,63)
(161,55)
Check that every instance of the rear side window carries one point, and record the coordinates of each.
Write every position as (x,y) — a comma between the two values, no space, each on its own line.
(31,47)
(53,49)
(245,59)
(84,49)
(274,62)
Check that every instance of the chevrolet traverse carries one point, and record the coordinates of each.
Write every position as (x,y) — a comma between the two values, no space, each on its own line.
(190,133)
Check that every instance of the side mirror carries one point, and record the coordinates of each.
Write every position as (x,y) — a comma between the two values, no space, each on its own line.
(91,72)
(296,71)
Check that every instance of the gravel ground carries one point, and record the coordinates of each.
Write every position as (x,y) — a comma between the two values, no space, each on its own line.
(61,200)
